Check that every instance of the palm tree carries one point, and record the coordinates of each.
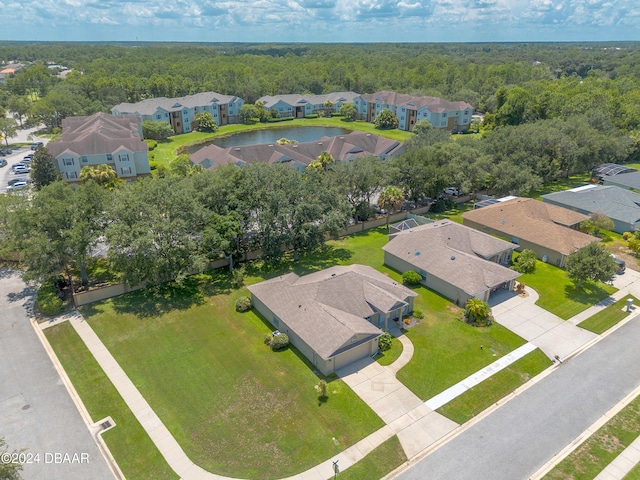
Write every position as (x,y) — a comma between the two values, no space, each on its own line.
(102,174)
(477,310)
(390,199)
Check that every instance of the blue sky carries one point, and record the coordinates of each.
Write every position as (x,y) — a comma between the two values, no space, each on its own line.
(320,20)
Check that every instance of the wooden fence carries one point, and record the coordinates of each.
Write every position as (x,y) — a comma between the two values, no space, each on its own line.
(102,293)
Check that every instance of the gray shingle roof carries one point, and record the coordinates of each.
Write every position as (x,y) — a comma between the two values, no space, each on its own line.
(453,253)
(625,180)
(434,104)
(269,101)
(615,202)
(150,105)
(327,308)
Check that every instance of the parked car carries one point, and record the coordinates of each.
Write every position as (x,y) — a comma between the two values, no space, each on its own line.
(451,191)
(35,145)
(622,266)
(17,186)
(13,181)
(3,162)
(21,170)
(28,156)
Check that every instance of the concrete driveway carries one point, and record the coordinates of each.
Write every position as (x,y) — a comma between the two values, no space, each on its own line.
(36,411)
(416,425)
(545,330)
(516,440)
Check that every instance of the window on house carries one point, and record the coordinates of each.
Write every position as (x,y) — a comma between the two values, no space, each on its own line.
(84,159)
(72,175)
(444,114)
(124,157)
(68,161)
(109,157)
(158,117)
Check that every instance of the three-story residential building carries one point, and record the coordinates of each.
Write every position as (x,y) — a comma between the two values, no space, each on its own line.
(101,139)
(180,112)
(299,106)
(443,114)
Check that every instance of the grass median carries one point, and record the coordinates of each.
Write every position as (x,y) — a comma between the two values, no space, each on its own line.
(135,453)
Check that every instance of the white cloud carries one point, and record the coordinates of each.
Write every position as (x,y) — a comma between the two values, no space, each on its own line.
(326,20)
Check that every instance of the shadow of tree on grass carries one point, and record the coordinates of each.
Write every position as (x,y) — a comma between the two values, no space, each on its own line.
(589,294)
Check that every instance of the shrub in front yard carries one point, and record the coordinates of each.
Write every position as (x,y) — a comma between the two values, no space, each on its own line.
(478,313)
(280,341)
(411,278)
(47,298)
(243,304)
(526,262)
(384,342)
(417,314)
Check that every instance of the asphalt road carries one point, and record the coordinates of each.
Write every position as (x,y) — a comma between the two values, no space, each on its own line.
(36,411)
(516,440)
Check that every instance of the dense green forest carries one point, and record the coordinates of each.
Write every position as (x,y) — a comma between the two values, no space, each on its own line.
(550,110)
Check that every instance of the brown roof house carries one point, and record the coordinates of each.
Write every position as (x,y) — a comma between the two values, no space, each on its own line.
(343,148)
(549,230)
(98,139)
(456,261)
(333,316)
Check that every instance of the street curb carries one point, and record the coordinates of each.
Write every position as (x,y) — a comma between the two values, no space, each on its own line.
(584,436)
(75,397)
(454,433)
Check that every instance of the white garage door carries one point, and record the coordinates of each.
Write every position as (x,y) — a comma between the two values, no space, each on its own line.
(351,355)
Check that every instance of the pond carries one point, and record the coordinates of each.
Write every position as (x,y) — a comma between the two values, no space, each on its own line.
(255,137)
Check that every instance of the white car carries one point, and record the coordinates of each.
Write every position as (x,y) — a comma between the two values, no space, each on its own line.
(452,191)
(17,186)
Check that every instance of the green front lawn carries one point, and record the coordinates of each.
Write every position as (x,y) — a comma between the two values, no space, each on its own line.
(391,355)
(382,460)
(166,150)
(447,350)
(559,295)
(136,454)
(561,184)
(477,399)
(590,458)
(608,317)
(236,408)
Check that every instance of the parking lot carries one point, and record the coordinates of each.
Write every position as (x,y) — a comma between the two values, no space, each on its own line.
(6,172)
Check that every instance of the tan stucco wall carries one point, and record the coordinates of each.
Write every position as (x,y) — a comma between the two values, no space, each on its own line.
(434,283)
(553,257)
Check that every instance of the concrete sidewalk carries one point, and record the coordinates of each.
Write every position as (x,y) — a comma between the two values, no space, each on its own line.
(416,425)
(478,377)
(623,463)
(414,421)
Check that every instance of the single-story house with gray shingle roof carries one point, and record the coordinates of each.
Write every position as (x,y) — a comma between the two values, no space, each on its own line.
(180,112)
(619,204)
(335,316)
(343,148)
(630,181)
(456,261)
